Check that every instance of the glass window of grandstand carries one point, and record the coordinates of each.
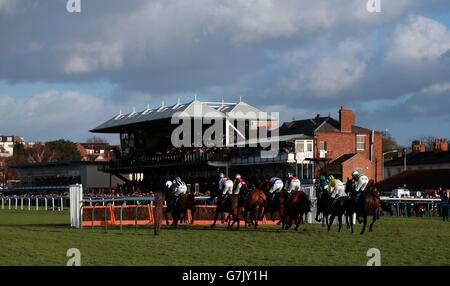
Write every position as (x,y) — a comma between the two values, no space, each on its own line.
(360,142)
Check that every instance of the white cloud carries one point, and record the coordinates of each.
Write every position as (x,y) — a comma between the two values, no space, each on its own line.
(420,38)
(85,58)
(53,114)
(7,5)
(437,88)
(331,72)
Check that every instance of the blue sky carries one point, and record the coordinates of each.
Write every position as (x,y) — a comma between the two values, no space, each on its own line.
(62,74)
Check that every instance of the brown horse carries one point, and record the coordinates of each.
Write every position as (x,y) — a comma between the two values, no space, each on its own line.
(254,202)
(297,205)
(179,207)
(276,205)
(234,211)
(368,201)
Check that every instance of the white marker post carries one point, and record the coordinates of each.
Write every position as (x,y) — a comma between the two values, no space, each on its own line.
(76,211)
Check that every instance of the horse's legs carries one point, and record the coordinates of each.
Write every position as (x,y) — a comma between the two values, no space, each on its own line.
(192,215)
(176,216)
(165,215)
(298,221)
(365,223)
(245,214)
(216,217)
(317,217)
(350,217)
(340,222)
(330,222)
(375,215)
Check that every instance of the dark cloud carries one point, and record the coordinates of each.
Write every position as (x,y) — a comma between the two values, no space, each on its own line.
(300,56)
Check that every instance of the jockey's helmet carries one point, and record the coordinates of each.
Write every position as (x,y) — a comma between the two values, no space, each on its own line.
(355,173)
(237,176)
(168,184)
(290,175)
(222,175)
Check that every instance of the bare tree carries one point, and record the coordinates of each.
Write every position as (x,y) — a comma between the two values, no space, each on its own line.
(40,153)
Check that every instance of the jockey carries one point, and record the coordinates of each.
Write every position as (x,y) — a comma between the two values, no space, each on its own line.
(292,183)
(337,188)
(225,185)
(238,183)
(275,186)
(359,182)
(177,188)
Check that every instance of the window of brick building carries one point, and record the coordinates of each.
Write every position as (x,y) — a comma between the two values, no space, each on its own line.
(360,142)
(323,146)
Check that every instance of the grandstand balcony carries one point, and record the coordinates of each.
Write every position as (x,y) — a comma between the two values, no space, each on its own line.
(258,159)
(189,158)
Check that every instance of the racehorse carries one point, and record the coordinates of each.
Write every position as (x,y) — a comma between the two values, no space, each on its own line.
(323,206)
(297,205)
(222,205)
(368,200)
(254,201)
(277,204)
(341,206)
(183,203)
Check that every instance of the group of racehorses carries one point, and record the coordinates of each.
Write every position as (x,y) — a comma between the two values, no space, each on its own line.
(253,204)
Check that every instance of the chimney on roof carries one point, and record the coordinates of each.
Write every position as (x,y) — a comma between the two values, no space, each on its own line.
(418,147)
(440,145)
(346,120)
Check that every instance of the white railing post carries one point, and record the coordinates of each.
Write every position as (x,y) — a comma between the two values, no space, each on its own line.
(62,204)
(37,203)
(9,203)
(29,203)
(3,202)
(16,203)
(21,203)
(53,204)
(45,203)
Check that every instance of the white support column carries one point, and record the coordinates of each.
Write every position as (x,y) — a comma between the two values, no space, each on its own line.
(76,210)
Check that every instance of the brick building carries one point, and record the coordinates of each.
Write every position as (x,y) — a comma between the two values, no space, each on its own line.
(340,146)
(438,158)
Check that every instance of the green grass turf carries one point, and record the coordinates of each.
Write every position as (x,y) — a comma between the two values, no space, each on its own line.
(42,238)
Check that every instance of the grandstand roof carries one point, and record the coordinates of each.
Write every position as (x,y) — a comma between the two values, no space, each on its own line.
(416,180)
(193,109)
